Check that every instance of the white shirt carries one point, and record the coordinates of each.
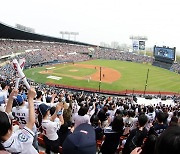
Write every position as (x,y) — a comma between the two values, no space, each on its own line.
(50,129)
(3,96)
(80,119)
(37,103)
(128,120)
(151,116)
(36,106)
(21,114)
(3,99)
(75,107)
(21,142)
(91,111)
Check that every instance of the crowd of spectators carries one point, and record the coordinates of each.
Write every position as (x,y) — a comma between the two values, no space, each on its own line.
(118,122)
(121,55)
(59,115)
(41,52)
(175,67)
(56,51)
(129,56)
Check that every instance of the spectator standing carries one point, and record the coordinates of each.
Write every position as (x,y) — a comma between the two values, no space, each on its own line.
(21,114)
(112,136)
(136,137)
(50,127)
(81,117)
(20,141)
(3,96)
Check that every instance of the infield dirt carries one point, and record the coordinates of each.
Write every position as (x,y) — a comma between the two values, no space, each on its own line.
(108,75)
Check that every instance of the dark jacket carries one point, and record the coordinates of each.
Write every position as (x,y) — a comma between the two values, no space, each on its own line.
(111,141)
(135,139)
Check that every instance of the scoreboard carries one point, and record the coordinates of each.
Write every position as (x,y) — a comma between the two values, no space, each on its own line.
(164,54)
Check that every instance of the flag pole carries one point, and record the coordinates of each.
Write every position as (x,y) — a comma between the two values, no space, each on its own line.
(146,81)
(100,80)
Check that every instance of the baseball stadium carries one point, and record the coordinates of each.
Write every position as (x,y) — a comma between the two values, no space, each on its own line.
(87,67)
(83,98)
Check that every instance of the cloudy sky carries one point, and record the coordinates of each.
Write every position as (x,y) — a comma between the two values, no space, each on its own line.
(99,20)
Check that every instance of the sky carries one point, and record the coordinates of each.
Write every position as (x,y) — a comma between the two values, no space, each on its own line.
(99,20)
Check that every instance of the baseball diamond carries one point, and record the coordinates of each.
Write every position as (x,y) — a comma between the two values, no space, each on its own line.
(115,76)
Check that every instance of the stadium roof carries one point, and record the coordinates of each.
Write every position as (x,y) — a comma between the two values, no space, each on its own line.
(8,32)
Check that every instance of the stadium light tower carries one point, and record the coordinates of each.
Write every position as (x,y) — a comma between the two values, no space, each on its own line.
(69,34)
(62,33)
(75,34)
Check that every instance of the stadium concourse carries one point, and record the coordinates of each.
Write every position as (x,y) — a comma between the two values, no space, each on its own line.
(78,122)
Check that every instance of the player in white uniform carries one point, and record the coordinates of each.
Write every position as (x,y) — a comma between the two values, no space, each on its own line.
(20,141)
(50,127)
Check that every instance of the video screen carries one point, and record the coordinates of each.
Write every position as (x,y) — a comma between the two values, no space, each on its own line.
(163,52)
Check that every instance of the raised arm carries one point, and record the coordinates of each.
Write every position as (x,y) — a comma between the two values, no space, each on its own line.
(10,100)
(61,119)
(31,96)
(58,108)
(70,102)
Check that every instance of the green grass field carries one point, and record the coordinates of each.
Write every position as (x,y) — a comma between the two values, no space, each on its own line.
(71,70)
(133,76)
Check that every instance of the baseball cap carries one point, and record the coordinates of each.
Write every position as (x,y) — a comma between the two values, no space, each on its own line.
(18,100)
(43,108)
(81,141)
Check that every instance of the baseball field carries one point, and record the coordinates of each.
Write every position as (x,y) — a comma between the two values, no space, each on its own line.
(115,76)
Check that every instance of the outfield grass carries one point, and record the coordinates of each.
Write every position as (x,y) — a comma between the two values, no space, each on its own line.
(133,76)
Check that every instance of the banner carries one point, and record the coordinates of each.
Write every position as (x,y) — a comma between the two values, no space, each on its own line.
(19,72)
(135,45)
(141,45)
(21,64)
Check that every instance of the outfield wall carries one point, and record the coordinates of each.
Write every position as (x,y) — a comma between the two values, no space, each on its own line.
(124,92)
